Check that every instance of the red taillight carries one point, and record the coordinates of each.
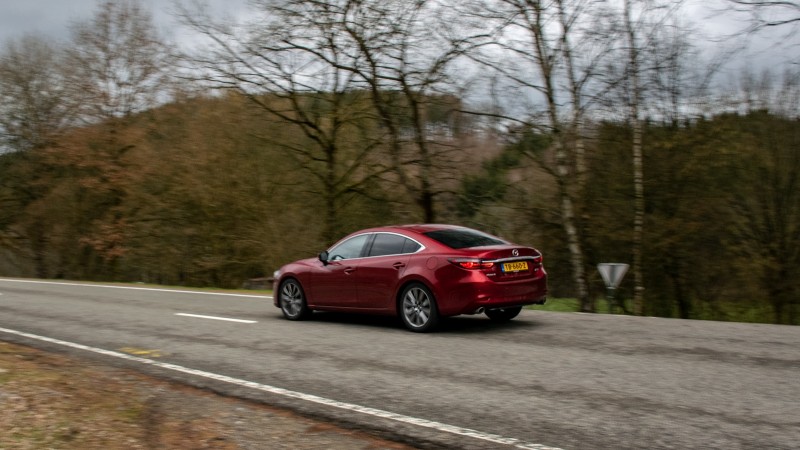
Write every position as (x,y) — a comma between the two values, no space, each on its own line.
(473,264)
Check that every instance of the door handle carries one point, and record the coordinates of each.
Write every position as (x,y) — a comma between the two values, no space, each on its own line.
(349,270)
(398,265)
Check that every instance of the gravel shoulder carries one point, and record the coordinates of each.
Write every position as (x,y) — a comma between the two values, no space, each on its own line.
(51,401)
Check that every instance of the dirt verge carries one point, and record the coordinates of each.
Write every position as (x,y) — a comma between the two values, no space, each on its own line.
(51,401)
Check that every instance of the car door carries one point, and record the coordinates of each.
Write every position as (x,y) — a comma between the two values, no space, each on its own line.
(334,283)
(380,271)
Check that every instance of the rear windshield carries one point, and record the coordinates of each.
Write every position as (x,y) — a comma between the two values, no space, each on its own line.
(464,238)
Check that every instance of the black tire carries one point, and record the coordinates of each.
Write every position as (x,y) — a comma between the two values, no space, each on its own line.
(503,314)
(417,308)
(293,300)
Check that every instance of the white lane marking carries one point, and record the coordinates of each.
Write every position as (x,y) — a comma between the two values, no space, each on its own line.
(488,437)
(215,318)
(134,288)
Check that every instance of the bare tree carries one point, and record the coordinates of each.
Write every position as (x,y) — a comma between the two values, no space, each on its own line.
(548,52)
(296,66)
(768,13)
(404,50)
(34,109)
(341,52)
(647,65)
(118,63)
(771,25)
(635,99)
(677,80)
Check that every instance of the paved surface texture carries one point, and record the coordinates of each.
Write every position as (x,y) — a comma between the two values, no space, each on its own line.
(558,380)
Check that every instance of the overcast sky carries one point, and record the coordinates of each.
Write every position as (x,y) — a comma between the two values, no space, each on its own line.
(53,17)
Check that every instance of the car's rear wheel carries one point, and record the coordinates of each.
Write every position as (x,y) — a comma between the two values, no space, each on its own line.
(503,314)
(418,308)
(293,300)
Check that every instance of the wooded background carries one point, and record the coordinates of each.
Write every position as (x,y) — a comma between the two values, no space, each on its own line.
(594,131)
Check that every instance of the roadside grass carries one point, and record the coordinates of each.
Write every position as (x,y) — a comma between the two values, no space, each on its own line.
(735,312)
(558,305)
(573,305)
(720,311)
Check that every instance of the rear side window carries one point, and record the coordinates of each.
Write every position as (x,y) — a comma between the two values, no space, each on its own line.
(392,244)
(464,238)
(411,246)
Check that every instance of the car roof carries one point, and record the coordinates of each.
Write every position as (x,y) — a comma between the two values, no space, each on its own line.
(414,228)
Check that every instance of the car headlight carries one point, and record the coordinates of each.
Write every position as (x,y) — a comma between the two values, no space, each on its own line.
(276,274)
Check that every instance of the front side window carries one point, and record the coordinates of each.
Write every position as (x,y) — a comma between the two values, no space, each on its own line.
(348,249)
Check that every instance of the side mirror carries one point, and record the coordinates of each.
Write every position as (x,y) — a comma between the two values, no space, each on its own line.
(323,257)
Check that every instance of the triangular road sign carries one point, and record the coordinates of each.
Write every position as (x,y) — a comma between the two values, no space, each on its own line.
(612,273)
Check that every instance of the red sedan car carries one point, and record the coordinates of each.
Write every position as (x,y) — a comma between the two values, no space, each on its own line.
(418,272)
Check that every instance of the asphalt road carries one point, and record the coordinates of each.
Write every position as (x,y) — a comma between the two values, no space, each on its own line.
(558,380)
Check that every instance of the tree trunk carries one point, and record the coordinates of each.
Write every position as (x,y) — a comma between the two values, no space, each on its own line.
(39,248)
(638,165)
(638,217)
(331,228)
(562,160)
(575,249)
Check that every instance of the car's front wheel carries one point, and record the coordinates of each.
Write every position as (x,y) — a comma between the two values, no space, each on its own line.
(503,314)
(418,308)
(293,300)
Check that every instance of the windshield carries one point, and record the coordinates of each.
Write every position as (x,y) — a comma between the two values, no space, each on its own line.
(464,238)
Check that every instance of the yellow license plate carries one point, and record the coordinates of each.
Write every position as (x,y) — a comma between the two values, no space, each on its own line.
(515,266)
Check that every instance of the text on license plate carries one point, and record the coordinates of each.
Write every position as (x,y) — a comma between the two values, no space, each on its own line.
(515,266)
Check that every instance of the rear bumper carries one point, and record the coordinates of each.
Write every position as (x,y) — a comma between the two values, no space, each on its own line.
(468,298)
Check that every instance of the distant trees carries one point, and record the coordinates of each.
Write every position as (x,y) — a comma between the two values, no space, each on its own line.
(714,234)
(766,202)
(208,203)
(115,65)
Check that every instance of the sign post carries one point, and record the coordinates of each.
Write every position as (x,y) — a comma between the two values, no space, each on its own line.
(612,274)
